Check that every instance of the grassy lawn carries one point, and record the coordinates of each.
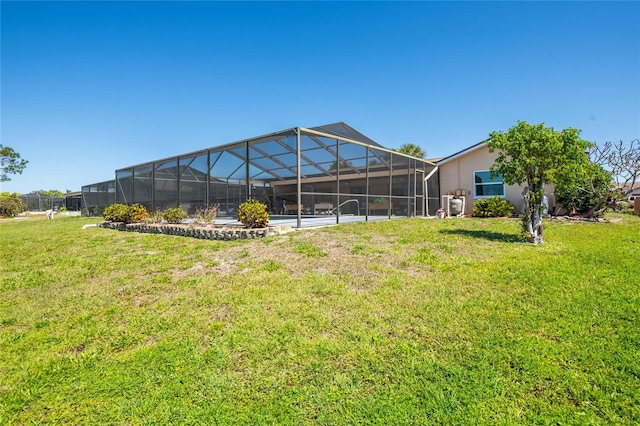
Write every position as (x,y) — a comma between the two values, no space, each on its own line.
(400,322)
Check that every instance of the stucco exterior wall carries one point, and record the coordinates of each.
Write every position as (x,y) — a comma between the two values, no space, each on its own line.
(457,175)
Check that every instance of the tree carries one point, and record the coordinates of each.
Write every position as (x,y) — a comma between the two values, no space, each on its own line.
(587,193)
(536,155)
(623,160)
(10,163)
(10,204)
(52,193)
(411,149)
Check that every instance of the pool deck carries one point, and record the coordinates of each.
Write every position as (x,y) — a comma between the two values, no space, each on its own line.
(309,221)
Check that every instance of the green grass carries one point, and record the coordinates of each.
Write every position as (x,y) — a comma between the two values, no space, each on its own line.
(398,322)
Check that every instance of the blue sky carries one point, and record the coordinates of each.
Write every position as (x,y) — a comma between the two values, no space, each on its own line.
(89,87)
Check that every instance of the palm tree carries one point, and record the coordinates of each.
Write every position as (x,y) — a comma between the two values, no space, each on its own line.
(411,149)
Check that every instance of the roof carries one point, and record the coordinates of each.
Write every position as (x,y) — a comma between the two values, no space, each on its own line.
(344,130)
(434,160)
(463,152)
(273,157)
(626,186)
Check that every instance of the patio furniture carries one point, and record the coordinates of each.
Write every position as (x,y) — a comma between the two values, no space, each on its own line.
(322,208)
(292,208)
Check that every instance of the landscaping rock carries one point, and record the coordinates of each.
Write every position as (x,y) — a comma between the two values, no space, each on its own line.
(206,233)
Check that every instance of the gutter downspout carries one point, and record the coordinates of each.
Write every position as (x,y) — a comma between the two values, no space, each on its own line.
(426,189)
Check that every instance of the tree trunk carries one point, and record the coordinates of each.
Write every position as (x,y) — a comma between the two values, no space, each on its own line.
(532,221)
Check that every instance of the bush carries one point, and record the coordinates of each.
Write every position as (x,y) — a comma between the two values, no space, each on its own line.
(10,204)
(116,213)
(206,216)
(492,207)
(253,214)
(174,214)
(155,218)
(123,213)
(586,195)
(137,213)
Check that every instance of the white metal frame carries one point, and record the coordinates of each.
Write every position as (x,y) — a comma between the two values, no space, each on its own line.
(445,200)
(476,196)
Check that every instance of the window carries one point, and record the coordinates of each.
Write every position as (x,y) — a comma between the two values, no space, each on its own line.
(485,186)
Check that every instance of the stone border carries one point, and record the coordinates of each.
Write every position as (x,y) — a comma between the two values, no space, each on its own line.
(206,233)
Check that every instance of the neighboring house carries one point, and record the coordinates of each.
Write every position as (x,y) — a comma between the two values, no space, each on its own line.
(466,174)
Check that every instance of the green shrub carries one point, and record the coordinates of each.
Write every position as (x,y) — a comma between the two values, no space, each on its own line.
(116,213)
(492,207)
(626,207)
(10,204)
(174,214)
(587,194)
(155,218)
(137,213)
(253,214)
(206,216)
(123,213)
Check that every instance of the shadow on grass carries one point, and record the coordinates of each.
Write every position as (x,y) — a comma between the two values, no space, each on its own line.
(486,235)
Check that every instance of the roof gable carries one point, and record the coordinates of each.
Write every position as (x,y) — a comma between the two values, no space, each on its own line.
(463,152)
(342,129)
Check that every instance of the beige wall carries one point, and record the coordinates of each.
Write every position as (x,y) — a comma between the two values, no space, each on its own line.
(457,174)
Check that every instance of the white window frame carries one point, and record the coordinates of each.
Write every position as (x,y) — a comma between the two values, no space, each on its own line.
(475,186)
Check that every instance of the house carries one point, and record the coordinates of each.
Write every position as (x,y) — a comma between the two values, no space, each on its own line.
(465,174)
(635,193)
(330,170)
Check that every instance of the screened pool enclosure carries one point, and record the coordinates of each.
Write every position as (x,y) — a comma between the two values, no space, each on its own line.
(329,173)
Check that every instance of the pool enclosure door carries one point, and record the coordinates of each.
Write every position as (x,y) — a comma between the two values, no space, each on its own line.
(419,196)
